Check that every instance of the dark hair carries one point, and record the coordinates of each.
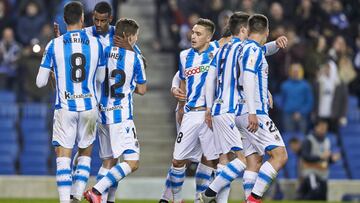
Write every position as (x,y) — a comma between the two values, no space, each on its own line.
(73,12)
(103,7)
(226,32)
(237,20)
(126,27)
(208,24)
(258,23)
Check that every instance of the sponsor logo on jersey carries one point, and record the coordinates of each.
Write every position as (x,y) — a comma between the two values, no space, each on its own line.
(197,70)
(117,107)
(70,96)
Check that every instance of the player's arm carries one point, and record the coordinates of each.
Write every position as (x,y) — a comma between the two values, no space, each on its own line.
(140,76)
(45,66)
(251,62)
(175,88)
(273,47)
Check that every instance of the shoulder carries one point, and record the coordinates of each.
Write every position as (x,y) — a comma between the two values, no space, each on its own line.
(185,52)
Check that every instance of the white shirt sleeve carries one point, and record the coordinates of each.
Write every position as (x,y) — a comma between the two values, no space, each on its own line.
(42,77)
(210,87)
(176,81)
(270,48)
(249,90)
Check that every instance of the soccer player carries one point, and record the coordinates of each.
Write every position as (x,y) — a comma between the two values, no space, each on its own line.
(75,58)
(125,75)
(259,129)
(194,137)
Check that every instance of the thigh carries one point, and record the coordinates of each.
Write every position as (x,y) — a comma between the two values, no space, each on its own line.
(86,133)
(104,141)
(65,128)
(207,143)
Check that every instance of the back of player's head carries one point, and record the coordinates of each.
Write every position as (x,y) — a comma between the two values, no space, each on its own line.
(103,7)
(226,32)
(237,20)
(126,27)
(73,12)
(258,23)
(208,24)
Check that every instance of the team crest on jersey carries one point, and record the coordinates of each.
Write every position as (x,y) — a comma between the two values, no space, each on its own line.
(211,55)
(196,70)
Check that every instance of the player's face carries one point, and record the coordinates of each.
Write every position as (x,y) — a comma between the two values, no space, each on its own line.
(101,22)
(200,36)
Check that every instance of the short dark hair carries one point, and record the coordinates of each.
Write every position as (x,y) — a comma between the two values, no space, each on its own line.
(258,23)
(125,27)
(237,20)
(208,24)
(73,12)
(103,7)
(226,32)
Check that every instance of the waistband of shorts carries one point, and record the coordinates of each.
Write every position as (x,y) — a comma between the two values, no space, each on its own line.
(199,108)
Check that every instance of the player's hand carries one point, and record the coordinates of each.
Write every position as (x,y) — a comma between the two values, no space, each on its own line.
(335,157)
(56,30)
(281,42)
(326,155)
(271,101)
(253,123)
(179,115)
(208,119)
(178,94)
(297,116)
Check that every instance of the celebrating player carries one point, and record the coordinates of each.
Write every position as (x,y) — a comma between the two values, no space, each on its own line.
(74,57)
(125,74)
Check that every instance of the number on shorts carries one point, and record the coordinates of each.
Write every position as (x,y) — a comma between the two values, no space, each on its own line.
(115,86)
(78,62)
(180,136)
(272,127)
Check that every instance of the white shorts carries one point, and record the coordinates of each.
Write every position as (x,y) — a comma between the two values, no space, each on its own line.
(227,135)
(119,139)
(195,138)
(266,138)
(72,126)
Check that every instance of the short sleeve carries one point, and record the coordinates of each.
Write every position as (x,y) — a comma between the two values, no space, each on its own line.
(251,59)
(139,70)
(181,69)
(48,56)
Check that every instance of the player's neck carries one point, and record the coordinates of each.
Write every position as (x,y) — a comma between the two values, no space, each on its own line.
(203,48)
(73,27)
(257,38)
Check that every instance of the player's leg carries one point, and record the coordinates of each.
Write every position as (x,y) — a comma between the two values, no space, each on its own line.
(64,135)
(187,147)
(224,127)
(267,139)
(223,195)
(86,134)
(204,175)
(123,142)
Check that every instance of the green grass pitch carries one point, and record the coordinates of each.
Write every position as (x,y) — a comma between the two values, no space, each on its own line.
(134,201)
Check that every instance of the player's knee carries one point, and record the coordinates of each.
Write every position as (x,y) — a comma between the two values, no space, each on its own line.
(280,155)
(134,165)
(109,163)
(178,163)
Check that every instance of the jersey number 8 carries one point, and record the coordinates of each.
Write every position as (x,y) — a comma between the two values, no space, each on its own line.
(78,62)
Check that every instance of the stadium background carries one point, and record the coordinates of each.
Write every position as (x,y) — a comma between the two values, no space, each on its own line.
(318,31)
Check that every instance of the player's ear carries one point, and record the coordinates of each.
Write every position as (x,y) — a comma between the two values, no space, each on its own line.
(110,18)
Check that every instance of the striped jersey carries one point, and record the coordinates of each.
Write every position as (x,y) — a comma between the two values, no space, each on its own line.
(253,61)
(193,68)
(227,69)
(124,69)
(107,39)
(75,57)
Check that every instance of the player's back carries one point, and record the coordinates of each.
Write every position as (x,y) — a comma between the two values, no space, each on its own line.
(194,68)
(124,69)
(75,57)
(253,61)
(227,73)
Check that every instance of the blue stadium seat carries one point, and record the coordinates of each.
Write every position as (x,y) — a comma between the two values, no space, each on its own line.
(9,149)
(352,102)
(36,149)
(7,124)
(36,137)
(35,110)
(7,97)
(337,170)
(33,165)
(350,130)
(7,136)
(33,124)
(9,112)
(7,165)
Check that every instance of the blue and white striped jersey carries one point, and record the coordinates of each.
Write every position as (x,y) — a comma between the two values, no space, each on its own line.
(107,39)
(227,69)
(193,68)
(75,57)
(254,66)
(124,69)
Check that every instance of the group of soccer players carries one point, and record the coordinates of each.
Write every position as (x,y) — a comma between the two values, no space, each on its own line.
(222,113)
(97,69)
